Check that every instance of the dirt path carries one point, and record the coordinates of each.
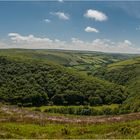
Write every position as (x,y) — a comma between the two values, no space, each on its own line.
(15,114)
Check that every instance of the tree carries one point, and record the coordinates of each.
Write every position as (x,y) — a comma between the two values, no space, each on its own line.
(95,101)
(58,99)
(36,99)
(74,97)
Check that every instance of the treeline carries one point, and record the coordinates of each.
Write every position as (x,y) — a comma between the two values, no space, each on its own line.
(35,84)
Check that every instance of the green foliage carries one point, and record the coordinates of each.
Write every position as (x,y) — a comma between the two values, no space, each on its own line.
(34,83)
(95,101)
(125,73)
(82,110)
(89,62)
(58,99)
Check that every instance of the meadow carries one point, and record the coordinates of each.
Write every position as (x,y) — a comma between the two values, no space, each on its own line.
(23,123)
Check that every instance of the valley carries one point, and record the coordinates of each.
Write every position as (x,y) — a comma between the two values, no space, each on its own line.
(41,89)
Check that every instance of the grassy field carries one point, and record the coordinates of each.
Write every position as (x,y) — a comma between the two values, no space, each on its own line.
(22,124)
(127,130)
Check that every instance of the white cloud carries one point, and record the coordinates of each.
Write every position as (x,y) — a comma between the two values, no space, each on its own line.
(91,29)
(47,20)
(32,42)
(97,15)
(76,40)
(61,15)
(127,42)
(60,0)
(102,45)
(28,39)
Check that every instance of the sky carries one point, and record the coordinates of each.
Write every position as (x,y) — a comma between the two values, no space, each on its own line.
(107,26)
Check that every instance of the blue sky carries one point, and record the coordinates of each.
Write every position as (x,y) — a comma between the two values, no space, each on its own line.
(91,23)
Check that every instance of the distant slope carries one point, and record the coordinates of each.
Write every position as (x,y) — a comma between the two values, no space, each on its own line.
(126,73)
(32,82)
(85,61)
(122,72)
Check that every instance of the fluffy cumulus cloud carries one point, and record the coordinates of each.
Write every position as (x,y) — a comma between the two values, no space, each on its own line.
(91,29)
(61,15)
(96,15)
(103,45)
(27,39)
(32,42)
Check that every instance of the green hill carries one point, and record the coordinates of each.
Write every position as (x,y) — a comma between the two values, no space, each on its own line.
(126,73)
(35,82)
(88,62)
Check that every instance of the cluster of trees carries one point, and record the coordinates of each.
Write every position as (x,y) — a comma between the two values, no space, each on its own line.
(121,75)
(125,73)
(35,84)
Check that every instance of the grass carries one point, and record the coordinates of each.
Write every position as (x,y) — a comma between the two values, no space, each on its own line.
(76,131)
(19,125)
(121,64)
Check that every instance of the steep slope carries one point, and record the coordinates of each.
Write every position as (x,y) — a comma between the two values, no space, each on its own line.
(32,82)
(126,73)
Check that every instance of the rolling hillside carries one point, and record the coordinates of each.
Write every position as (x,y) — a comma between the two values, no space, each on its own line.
(88,62)
(126,73)
(34,82)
